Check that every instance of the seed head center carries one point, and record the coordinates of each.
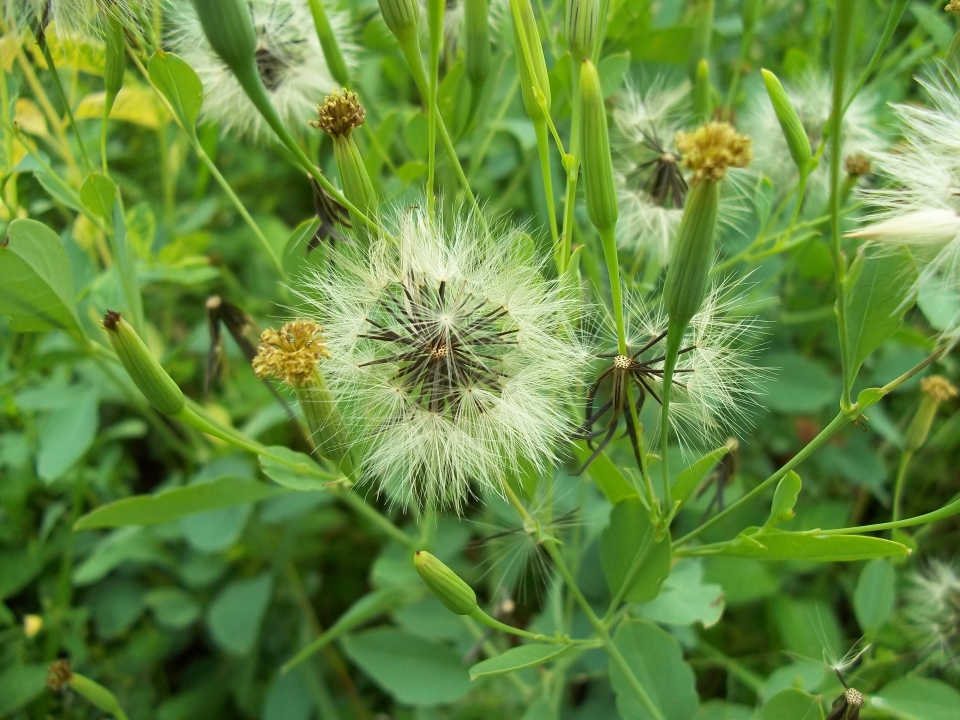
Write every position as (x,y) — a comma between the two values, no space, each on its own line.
(622,362)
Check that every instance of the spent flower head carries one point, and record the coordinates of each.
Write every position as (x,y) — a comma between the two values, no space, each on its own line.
(713,148)
(289,60)
(938,388)
(453,359)
(340,113)
(59,674)
(292,353)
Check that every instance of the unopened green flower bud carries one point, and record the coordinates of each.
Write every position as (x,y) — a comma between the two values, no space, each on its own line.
(113,67)
(597,161)
(476,46)
(450,589)
(401,16)
(229,29)
(582,22)
(936,389)
(702,100)
(142,367)
(796,136)
(338,116)
(534,81)
(60,675)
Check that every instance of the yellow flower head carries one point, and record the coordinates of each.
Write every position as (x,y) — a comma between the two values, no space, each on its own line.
(938,388)
(712,148)
(291,354)
(340,114)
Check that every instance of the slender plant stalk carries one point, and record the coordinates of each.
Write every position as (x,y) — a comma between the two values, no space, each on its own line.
(45,48)
(949,510)
(543,149)
(609,242)
(435,10)
(905,457)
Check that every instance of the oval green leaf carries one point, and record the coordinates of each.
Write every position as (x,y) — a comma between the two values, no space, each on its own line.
(522,656)
(180,85)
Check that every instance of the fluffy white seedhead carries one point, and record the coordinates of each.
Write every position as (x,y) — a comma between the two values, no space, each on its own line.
(932,611)
(715,382)
(78,19)
(453,20)
(811,97)
(289,58)
(921,207)
(452,359)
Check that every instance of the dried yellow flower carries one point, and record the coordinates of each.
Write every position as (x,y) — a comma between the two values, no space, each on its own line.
(938,388)
(291,354)
(712,148)
(857,165)
(953,7)
(59,674)
(340,114)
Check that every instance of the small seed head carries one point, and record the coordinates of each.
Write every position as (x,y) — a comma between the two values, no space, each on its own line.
(58,675)
(622,362)
(853,697)
(340,114)
(713,148)
(857,165)
(938,388)
(292,353)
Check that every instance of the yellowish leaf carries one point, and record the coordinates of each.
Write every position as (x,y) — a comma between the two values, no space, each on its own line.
(135,104)
(29,117)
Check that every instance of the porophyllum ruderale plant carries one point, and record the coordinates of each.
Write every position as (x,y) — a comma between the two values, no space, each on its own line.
(452,358)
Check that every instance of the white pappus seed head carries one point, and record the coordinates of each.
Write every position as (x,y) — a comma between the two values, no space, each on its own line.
(289,59)
(810,96)
(454,17)
(78,19)
(920,209)
(932,612)
(452,359)
(715,381)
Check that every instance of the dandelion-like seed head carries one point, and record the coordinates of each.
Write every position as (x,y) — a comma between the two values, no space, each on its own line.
(59,674)
(289,60)
(340,114)
(857,165)
(292,353)
(938,388)
(713,148)
(78,19)
(453,358)
(853,697)
(932,612)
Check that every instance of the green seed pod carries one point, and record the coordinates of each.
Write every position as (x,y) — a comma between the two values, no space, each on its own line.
(597,161)
(229,29)
(476,47)
(936,389)
(582,21)
(113,69)
(96,694)
(142,367)
(402,17)
(450,589)
(533,67)
(692,254)
(793,131)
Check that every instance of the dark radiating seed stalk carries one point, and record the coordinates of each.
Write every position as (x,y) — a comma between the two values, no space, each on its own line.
(661,177)
(446,342)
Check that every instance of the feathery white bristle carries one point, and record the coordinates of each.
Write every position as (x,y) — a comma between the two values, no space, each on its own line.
(78,19)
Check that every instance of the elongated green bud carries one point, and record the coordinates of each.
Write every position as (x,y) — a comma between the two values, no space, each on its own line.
(142,367)
(450,589)
(936,390)
(61,675)
(113,69)
(582,22)
(328,42)
(793,131)
(534,81)
(229,30)
(401,16)
(702,32)
(597,160)
(476,46)
(339,115)
(702,100)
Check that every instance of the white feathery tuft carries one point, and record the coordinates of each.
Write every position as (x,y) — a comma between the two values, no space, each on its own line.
(289,57)
(78,19)
(932,612)
(453,360)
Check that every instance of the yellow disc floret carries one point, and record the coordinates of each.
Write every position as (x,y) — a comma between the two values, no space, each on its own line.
(712,148)
(291,354)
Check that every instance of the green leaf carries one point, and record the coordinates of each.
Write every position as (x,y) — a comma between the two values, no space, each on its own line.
(522,656)
(98,194)
(294,470)
(21,685)
(37,285)
(792,704)
(612,483)
(797,384)
(630,554)
(690,477)
(656,660)
(288,698)
(175,503)
(174,608)
(785,497)
(128,545)
(413,670)
(876,299)
(235,615)
(67,431)
(917,698)
(875,594)
(685,599)
(296,253)
(180,85)
(611,70)
(809,545)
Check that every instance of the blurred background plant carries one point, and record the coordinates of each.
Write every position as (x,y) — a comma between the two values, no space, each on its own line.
(184,537)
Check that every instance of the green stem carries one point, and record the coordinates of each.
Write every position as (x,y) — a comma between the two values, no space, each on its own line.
(609,242)
(949,510)
(492,651)
(66,102)
(543,147)
(495,125)
(573,171)
(328,42)
(829,431)
(905,458)
(435,11)
(482,617)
